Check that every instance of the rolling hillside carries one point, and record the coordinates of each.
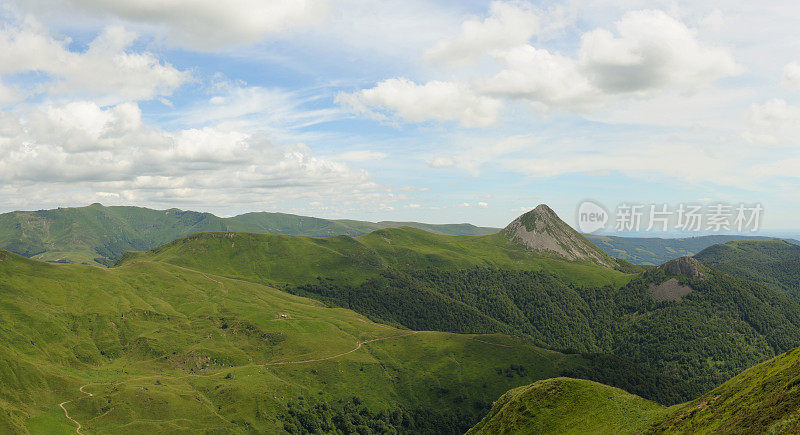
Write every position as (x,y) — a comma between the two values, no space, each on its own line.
(655,250)
(100,235)
(565,405)
(762,399)
(772,262)
(153,347)
(701,329)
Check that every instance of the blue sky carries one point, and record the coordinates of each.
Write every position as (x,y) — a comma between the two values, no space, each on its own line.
(428,111)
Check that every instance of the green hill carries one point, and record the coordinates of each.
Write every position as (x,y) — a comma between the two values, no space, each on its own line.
(772,262)
(762,399)
(490,284)
(152,347)
(564,405)
(279,259)
(100,235)
(654,250)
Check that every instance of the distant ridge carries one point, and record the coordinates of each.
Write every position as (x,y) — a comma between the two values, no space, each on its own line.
(543,231)
(99,235)
(656,250)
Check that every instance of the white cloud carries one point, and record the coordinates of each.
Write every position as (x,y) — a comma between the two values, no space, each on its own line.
(442,162)
(508,25)
(362,156)
(540,76)
(649,52)
(464,204)
(772,124)
(200,24)
(483,205)
(51,145)
(435,100)
(9,95)
(471,153)
(775,113)
(106,70)
(791,76)
(280,112)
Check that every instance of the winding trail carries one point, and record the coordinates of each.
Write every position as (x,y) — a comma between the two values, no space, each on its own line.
(492,344)
(78,429)
(277,363)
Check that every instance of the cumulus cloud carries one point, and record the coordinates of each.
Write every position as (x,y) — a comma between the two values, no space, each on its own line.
(111,150)
(508,25)
(201,24)
(791,76)
(107,69)
(650,51)
(540,76)
(411,102)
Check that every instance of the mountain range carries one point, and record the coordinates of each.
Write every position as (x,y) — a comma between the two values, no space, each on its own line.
(99,235)
(396,330)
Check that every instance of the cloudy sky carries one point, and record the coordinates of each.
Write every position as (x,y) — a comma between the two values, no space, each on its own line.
(465,111)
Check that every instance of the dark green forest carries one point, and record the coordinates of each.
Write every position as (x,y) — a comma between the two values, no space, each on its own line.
(724,326)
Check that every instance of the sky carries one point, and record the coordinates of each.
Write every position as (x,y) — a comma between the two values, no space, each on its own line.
(434,111)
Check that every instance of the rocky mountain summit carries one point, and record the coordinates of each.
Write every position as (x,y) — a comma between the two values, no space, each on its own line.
(542,230)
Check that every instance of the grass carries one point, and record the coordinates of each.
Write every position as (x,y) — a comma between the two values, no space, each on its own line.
(762,399)
(168,349)
(99,235)
(278,259)
(564,405)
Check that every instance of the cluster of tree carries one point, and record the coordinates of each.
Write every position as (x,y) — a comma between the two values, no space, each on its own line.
(352,417)
(773,263)
(724,326)
(634,378)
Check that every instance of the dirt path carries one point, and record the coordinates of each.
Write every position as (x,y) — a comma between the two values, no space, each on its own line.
(77,429)
(493,344)
(277,363)
(221,285)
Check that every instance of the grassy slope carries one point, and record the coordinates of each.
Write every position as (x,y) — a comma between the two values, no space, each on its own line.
(762,399)
(724,326)
(772,262)
(100,235)
(564,405)
(277,260)
(654,251)
(135,333)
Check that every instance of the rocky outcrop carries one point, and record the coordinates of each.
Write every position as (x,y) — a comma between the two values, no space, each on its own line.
(542,230)
(684,266)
